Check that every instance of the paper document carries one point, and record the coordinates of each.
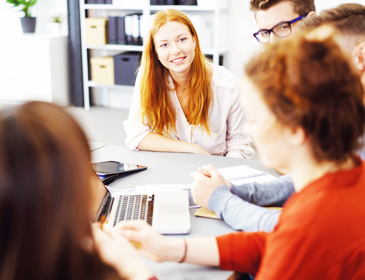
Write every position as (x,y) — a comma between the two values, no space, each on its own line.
(243,174)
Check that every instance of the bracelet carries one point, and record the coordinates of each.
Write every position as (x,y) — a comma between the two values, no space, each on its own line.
(186,250)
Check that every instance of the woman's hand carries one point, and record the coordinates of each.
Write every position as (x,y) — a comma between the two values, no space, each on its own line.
(151,244)
(207,179)
(196,149)
(116,251)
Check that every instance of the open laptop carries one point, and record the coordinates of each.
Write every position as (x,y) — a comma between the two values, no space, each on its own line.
(166,212)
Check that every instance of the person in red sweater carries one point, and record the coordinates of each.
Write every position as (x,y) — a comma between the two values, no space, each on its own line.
(306,113)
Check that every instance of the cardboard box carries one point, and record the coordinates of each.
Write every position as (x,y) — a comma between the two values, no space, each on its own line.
(96,31)
(102,70)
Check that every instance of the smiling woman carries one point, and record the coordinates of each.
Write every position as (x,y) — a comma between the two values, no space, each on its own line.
(183,103)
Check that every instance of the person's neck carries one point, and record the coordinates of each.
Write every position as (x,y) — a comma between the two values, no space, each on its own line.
(180,79)
(305,170)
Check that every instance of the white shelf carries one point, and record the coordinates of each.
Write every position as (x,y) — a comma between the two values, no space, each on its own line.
(120,87)
(116,47)
(186,8)
(153,7)
(140,48)
(109,7)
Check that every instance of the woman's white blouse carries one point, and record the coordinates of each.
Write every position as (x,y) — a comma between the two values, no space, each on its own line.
(226,118)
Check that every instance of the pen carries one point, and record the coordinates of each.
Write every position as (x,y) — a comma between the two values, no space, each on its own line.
(204,172)
(136,244)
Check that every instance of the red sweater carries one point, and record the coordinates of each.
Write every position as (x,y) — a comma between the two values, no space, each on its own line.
(320,235)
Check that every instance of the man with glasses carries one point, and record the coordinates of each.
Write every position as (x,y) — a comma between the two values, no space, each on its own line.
(278,19)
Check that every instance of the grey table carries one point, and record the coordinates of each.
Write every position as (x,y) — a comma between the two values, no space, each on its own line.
(175,168)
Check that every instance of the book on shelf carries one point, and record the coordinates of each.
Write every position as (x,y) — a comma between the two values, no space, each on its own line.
(98,1)
(174,2)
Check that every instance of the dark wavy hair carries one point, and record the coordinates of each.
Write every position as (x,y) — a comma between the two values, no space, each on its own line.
(45,198)
(312,84)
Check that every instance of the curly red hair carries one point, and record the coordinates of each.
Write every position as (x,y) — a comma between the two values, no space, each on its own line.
(312,84)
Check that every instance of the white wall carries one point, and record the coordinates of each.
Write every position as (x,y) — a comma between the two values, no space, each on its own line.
(242,25)
(43,10)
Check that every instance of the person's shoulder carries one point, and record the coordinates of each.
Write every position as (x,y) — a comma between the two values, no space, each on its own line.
(224,78)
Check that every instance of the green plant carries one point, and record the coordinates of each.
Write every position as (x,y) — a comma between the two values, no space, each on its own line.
(57,18)
(25,3)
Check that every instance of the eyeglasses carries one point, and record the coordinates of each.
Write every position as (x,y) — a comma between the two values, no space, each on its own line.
(281,30)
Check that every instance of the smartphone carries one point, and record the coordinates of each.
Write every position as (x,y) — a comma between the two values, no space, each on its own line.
(115,167)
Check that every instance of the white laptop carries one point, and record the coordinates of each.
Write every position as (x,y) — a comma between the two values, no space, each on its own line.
(166,212)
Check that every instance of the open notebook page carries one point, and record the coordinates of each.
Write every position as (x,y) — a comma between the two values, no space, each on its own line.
(243,174)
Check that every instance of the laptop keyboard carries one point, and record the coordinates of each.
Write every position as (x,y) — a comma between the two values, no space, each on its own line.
(134,207)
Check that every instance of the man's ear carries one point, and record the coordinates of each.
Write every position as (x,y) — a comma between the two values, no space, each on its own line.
(311,14)
(358,56)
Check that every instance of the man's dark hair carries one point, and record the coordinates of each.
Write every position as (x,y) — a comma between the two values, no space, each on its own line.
(348,19)
(301,7)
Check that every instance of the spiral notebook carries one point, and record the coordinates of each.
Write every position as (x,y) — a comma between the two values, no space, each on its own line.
(243,174)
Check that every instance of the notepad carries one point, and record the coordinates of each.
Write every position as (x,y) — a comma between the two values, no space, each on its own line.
(206,213)
(241,174)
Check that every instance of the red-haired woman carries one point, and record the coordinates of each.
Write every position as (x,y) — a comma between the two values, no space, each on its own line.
(306,110)
(46,196)
(181,102)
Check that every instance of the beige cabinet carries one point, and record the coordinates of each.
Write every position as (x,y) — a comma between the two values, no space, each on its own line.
(33,67)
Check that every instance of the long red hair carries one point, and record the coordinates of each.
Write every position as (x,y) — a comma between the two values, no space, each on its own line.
(157,111)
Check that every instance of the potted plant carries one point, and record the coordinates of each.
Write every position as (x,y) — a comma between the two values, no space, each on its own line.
(28,22)
(56,25)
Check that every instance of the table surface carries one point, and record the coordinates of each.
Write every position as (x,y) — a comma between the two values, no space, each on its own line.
(175,168)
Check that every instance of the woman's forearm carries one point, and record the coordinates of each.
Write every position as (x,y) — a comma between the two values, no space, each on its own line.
(158,143)
(202,251)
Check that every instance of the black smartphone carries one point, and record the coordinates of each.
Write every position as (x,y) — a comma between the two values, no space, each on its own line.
(115,167)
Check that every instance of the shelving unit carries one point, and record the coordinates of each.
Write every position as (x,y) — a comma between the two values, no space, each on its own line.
(215,7)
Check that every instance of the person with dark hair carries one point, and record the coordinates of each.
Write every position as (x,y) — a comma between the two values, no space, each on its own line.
(278,19)
(306,114)
(46,184)
(238,207)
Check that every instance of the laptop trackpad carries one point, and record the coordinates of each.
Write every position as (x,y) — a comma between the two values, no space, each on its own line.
(171,209)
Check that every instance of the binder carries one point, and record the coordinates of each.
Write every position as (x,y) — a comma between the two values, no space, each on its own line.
(112,30)
(108,1)
(153,2)
(161,2)
(170,2)
(188,2)
(121,40)
(99,2)
(142,31)
(135,29)
(128,27)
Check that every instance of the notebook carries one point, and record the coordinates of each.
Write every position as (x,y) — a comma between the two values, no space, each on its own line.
(241,174)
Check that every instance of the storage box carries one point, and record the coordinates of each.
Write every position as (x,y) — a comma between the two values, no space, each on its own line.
(102,70)
(125,67)
(96,31)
